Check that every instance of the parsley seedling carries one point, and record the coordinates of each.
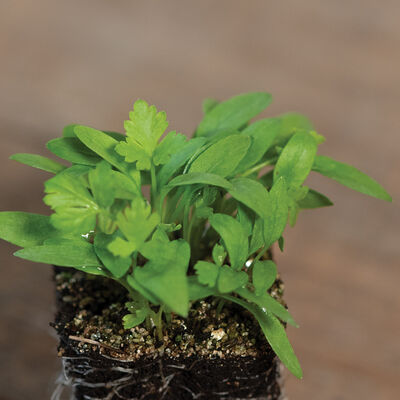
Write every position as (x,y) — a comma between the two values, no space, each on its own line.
(210,219)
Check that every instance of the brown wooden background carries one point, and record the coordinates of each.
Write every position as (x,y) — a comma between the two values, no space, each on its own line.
(337,61)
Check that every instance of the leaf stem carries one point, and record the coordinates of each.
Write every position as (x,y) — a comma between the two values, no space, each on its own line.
(258,167)
(259,255)
(153,184)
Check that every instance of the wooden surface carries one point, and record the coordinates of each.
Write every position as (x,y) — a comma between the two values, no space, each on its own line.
(338,62)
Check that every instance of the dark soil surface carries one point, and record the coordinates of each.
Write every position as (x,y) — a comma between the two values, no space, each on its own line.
(207,356)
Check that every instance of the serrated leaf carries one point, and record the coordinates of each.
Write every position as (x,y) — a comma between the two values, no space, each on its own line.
(134,153)
(118,266)
(39,162)
(296,160)
(136,223)
(264,275)
(25,229)
(314,199)
(67,194)
(102,184)
(63,255)
(73,150)
(132,320)
(75,219)
(229,279)
(263,134)
(275,335)
(233,113)
(146,125)
(218,254)
(207,273)
(277,214)
(170,145)
(144,129)
(164,275)
(349,176)
(233,236)
(222,157)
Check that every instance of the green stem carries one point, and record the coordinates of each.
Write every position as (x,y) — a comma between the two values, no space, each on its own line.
(153,185)
(158,323)
(258,167)
(185,221)
(259,255)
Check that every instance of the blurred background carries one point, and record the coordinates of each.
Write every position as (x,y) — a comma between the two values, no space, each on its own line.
(338,62)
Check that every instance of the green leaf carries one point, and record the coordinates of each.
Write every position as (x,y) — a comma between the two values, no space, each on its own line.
(132,320)
(314,199)
(73,150)
(233,113)
(275,334)
(264,275)
(233,236)
(277,215)
(201,178)
(136,223)
(209,104)
(350,176)
(69,132)
(251,193)
(164,274)
(124,187)
(296,159)
(178,160)
(246,218)
(63,255)
(266,302)
(39,162)
(219,254)
(170,145)
(207,273)
(222,157)
(103,145)
(229,279)
(281,243)
(67,194)
(198,291)
(262,133)
(118,266)
(257,236)
(102,184)
(133,283)
(144,129)
(25,229)
(290,123)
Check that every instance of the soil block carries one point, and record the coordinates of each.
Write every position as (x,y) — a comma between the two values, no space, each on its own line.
(211,355)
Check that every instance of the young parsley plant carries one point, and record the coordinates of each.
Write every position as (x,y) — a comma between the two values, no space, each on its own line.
(217,203)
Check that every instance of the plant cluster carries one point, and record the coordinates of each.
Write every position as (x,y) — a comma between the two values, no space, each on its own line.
(214,206)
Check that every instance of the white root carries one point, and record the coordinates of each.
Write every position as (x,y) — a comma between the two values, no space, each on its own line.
(75,371)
